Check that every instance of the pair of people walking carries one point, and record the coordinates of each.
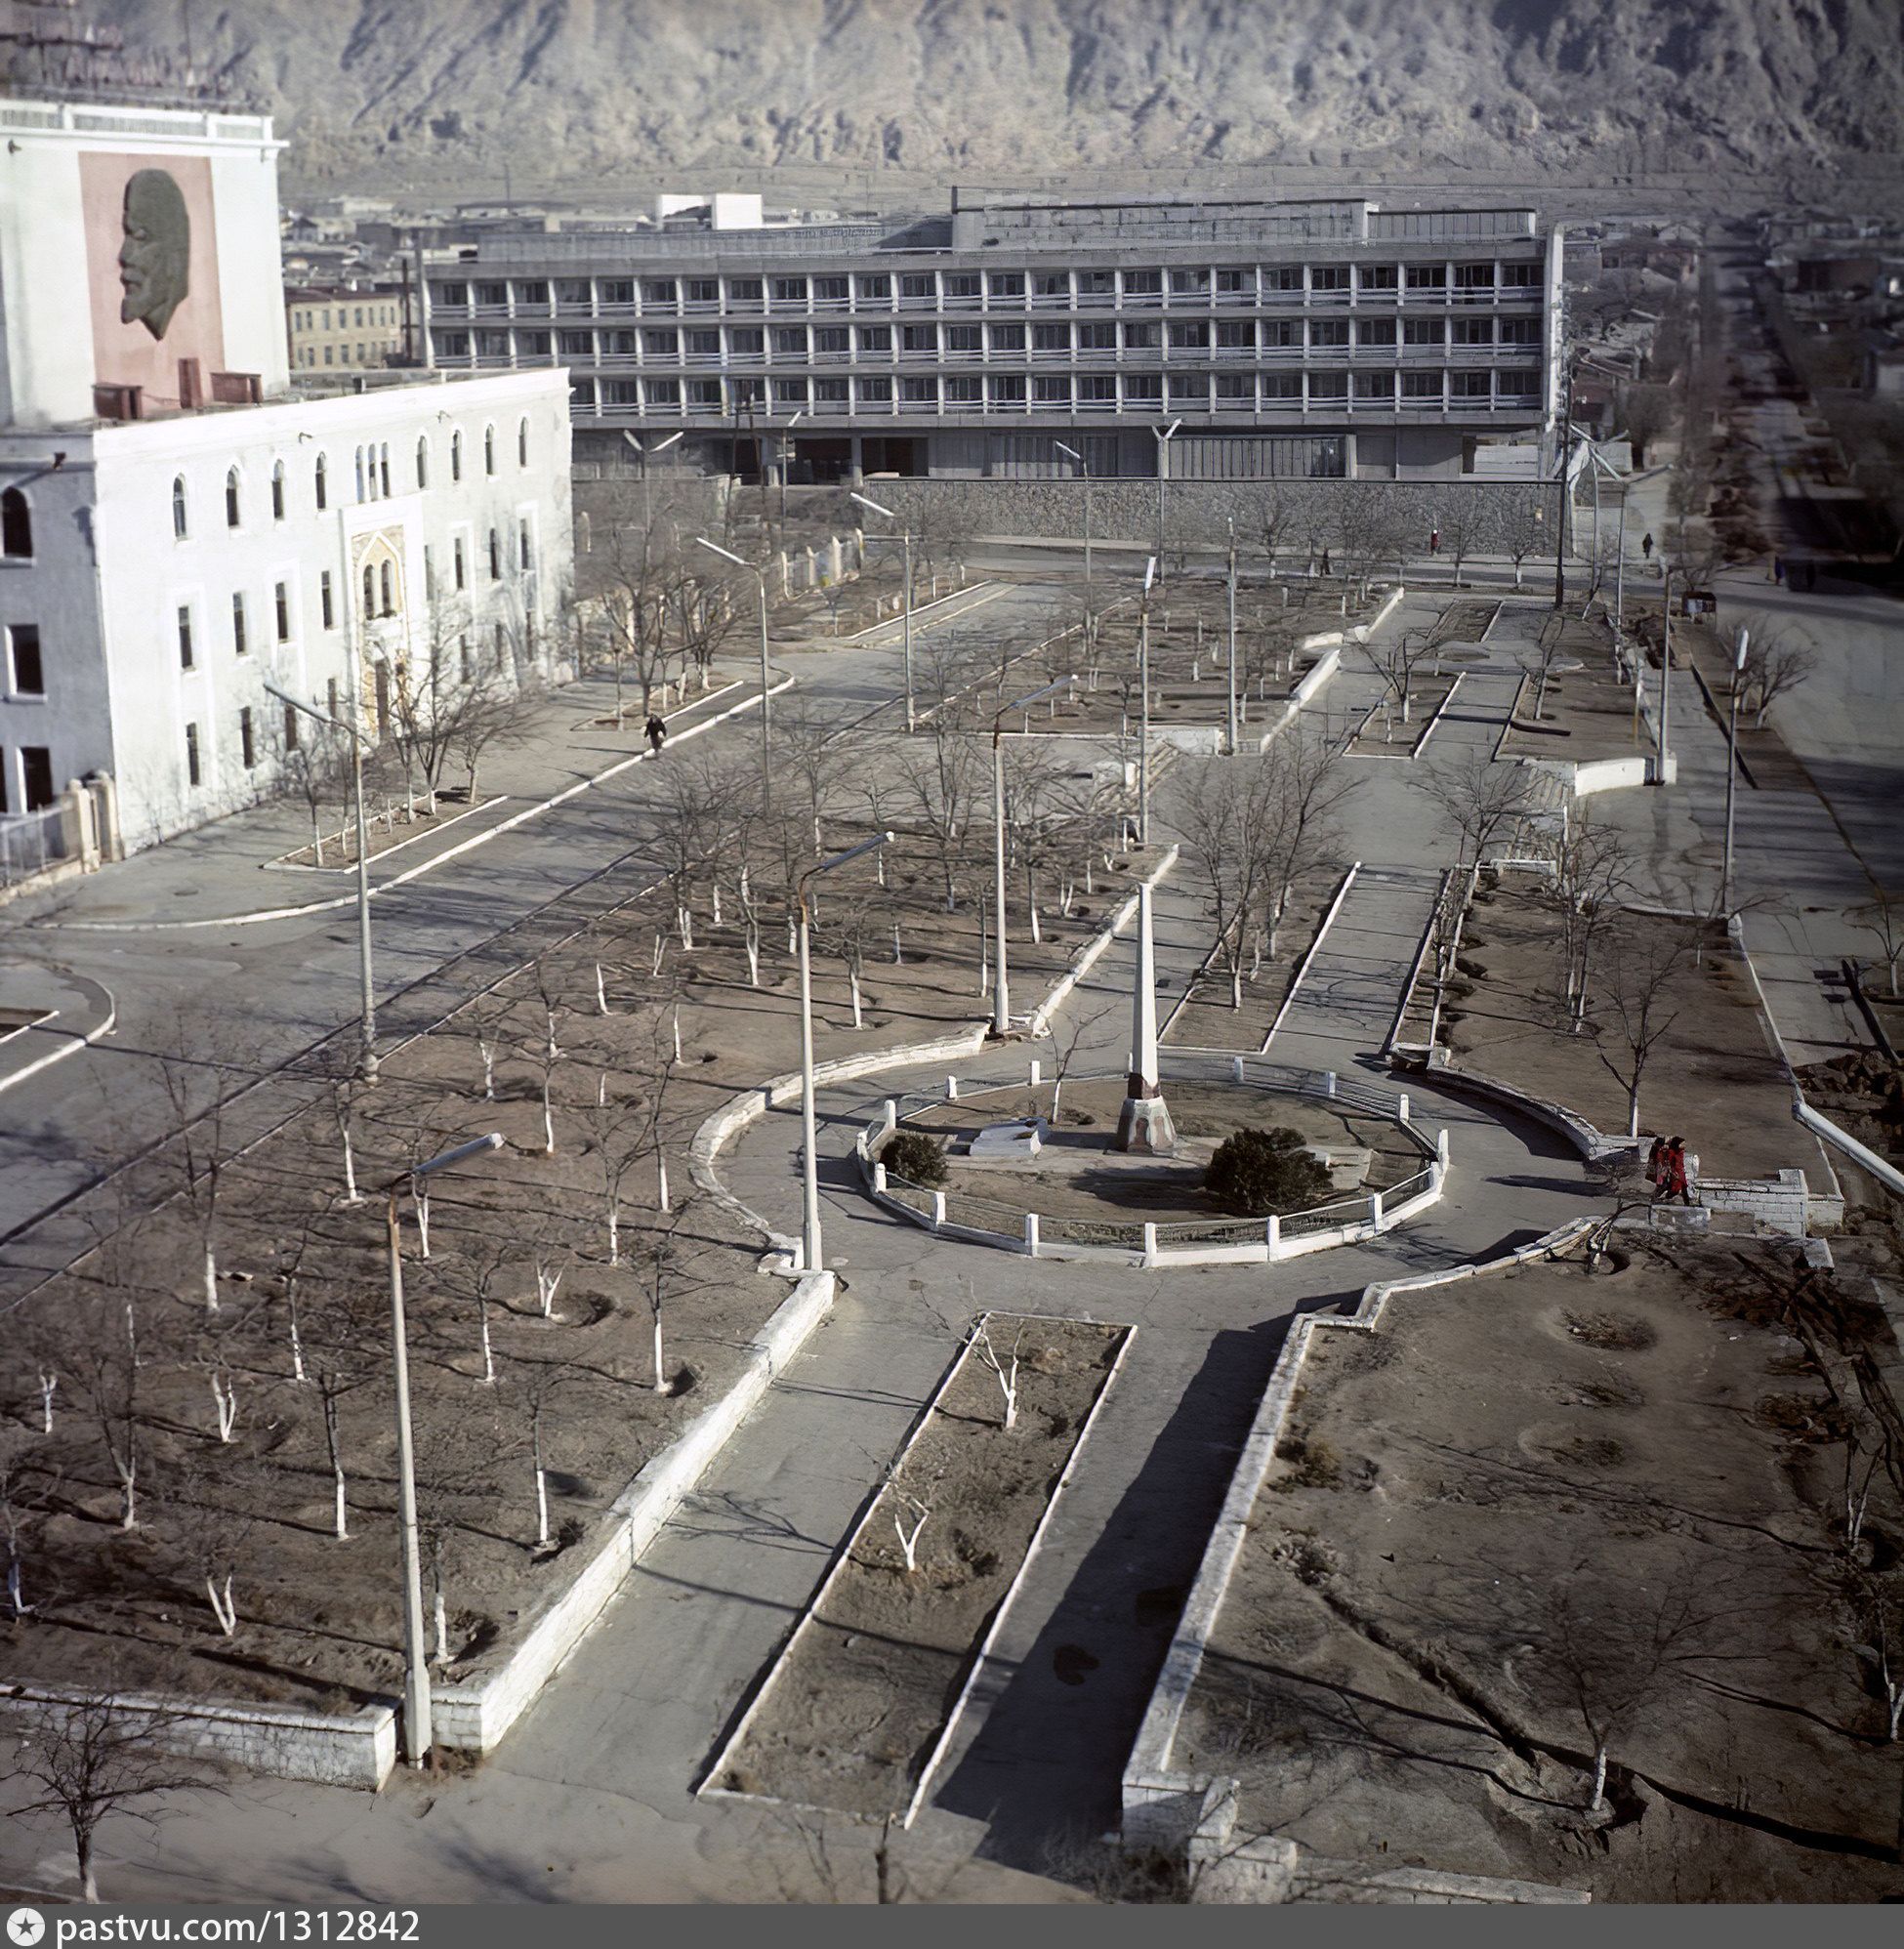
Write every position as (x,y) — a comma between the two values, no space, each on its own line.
(1669,1170)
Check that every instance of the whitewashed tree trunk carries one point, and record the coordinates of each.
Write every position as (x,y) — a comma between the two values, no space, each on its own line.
(716,897)
(614,1230)
(485,1344)
(753,946)
(487,1049)
(420,1190)
(547,1115)
(340,1519)
(852,981)
(541,1483)
(661,1180)
(49,1382)
(225,1397)
(222,1608)
(350,1195)
(211,1278)
(660,1369)
(660,953)
(600,992)
(909,1537)
(548,1279)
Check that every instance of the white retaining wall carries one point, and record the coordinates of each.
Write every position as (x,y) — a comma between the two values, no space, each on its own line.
(345,1750)
(478,1712)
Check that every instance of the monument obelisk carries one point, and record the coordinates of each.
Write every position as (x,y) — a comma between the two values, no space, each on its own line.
(1143,1124)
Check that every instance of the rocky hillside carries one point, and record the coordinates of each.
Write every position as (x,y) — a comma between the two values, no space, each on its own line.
(439,92)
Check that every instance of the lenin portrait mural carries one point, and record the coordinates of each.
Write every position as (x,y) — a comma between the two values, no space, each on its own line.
(151,268)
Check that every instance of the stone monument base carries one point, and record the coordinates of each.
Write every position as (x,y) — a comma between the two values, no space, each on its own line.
(1143,1125)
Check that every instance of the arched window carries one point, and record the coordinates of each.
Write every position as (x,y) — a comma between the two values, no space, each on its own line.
(582,532)
(359,459)
(232,498)
(422,460)
(522,443)
(488,449)
(383,468)
(277,491)
(495,556)
(369,589)
(456,454)
(179,506)
(390,591)
(323,483)
(16,523)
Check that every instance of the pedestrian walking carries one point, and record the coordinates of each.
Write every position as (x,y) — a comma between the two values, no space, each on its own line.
(657,733)
(1325,561)
(1653,1157)
(1646,545)
(1778,569)
(1434,541)
(1672,1167)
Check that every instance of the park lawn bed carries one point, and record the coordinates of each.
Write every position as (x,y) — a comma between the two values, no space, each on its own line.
(867,1688)
(316,1622)
(1711,1078)
(1519,1493)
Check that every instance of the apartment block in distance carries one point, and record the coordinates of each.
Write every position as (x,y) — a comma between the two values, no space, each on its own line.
(181,527)
(1308,340)
(343,327)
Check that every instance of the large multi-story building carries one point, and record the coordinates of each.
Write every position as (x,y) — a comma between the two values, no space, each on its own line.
(344,327)
(178,528)
(1295,340)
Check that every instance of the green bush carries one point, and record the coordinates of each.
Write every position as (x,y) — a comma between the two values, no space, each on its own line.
(1257,1172)
(915,1157)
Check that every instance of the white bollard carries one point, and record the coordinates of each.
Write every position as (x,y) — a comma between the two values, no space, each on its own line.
(1401,1107)
(1031,1233)
(1273,1236)
(951,1089)
(1036,1071)
(1235,1068)
(938,1210)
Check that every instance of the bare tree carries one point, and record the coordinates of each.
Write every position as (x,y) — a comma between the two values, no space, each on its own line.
(1640,992)
(28,1486)
(1540,659)
(1520,531)
(1477,798)
(94,1756)
(1591,866)
(1402,661)
(1777,662)
(1461,519)
(1885,918)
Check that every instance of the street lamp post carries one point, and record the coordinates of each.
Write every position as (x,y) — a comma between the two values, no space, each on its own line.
(416,1667)
(1233,727)
(1001,994)
(1144,705)
(1731,776)
(766,752)
(647,453)
(1084,473)
(905,537)
(786,453)
(810,1241)
(367,994)
(1666,658)
(1561,508)
(1162,435)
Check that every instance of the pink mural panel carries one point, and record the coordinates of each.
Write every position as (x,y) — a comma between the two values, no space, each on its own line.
(151,270)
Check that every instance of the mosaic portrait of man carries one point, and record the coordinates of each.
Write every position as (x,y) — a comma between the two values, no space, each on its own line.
(154,260)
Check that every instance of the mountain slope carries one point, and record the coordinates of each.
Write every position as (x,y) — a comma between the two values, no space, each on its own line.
(625,90)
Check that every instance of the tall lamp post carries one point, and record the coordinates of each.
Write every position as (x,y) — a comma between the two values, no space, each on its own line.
(1084,473)
(367,994)
(1233,727)
(1567,494)
(1731,776)
(647,453)
(1666,658)
(1001,994)
(904,537)
(810,1241)
(1144,705)
(766,752)
(786,457)
(1162,435)
(416,1667)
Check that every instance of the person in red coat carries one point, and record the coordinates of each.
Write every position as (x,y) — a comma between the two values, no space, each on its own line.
(1672,1174)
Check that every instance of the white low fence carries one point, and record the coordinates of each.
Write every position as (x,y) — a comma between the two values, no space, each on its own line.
(1195,1242)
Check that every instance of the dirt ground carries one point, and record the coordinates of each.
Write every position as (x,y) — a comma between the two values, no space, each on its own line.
(1206,1020)
(1711,1079)
(1534,1504)
(849,1718)
(316,1621)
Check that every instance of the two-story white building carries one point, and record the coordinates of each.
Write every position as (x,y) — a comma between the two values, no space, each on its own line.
(176,529)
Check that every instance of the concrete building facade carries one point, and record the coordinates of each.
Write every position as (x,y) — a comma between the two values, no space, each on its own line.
(180,529)
(1329,340)
(343,327)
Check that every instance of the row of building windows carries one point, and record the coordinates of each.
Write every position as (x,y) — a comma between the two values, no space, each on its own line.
(1059,338)
(340,355)
(319,318)
(1191,284)
(373,478)
(1423,391)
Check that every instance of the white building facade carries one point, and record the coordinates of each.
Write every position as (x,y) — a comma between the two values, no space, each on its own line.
(180,531)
